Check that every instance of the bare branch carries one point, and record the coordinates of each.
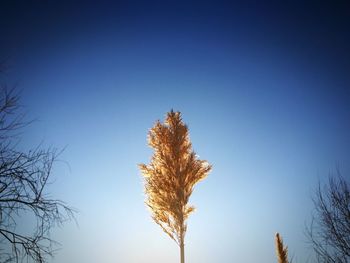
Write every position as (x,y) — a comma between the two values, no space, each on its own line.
(329,231)
(23,180)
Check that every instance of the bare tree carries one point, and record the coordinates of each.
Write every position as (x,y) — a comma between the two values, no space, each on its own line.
(329,232)
(23,180)
(171,176)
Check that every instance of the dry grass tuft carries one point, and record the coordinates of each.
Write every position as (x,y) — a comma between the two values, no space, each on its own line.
(281,251)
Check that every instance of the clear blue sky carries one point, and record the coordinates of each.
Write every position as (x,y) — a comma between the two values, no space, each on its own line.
(264,88)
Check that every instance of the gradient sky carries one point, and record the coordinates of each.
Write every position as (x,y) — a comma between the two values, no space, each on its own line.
(264,88)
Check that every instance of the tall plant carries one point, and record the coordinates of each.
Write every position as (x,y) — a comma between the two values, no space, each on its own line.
(171,175)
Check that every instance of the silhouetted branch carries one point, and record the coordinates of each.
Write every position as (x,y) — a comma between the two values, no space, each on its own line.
(23,179)
(329,231)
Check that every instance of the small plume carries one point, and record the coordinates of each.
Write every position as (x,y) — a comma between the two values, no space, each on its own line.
(281,251)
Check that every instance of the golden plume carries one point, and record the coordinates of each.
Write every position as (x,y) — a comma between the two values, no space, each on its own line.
(171,175)
(281,251)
